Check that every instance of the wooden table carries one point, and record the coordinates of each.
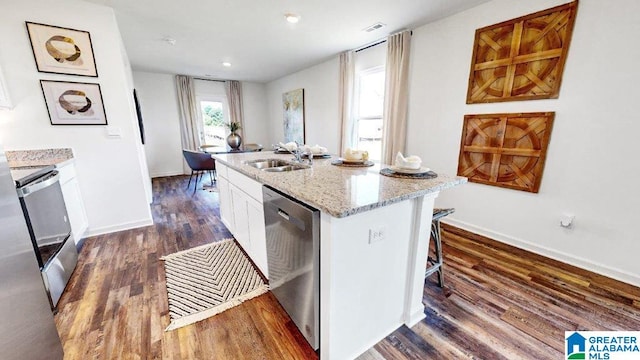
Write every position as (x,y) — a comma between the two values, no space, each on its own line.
(225,149)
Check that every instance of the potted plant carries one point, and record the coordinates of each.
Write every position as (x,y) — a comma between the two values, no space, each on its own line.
(234,140)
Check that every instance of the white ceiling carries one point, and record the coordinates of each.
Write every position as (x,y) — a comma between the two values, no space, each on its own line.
(254,36)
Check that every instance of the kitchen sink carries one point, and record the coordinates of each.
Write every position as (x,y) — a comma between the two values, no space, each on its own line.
(275,165)
(287,168)
(267,163)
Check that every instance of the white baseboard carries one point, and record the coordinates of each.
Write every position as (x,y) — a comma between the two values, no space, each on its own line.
(373,341)
(416,317)
(168,173)
(582,263)
(119,227)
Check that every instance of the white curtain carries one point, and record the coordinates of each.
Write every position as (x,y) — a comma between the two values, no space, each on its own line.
(345,101)
(396,96)
(233,89)
(189,120)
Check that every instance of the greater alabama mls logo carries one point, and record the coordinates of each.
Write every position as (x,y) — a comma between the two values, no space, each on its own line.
(602,345)
(576,344)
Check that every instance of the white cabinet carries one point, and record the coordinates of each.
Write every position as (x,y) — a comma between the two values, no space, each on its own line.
(4,94)
(242,213)
(240,217)
(226,212)
(73,200)
(257,234)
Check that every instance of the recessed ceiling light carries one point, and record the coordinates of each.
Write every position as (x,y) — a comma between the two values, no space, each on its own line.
(292,18)
(226,64)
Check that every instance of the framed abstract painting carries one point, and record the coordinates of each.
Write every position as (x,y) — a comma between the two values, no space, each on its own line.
(61,50)
(74,103)
(293,108)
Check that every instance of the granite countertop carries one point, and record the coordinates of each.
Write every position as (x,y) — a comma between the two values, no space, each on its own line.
(339,191)
(25,159)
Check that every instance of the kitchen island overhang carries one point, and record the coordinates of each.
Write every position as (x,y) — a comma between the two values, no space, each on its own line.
(374,239)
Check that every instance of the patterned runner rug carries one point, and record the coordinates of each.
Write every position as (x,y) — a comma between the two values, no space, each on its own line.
(208,280)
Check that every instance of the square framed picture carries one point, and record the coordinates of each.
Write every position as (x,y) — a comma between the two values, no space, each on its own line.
(74,103)
(61,50)
(505,150)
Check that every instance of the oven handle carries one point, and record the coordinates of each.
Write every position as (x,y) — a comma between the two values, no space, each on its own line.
(40,184)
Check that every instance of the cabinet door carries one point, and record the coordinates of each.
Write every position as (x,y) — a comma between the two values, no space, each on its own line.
(75,208)
(240,218)
(73,201)
(226,213)
(257,234)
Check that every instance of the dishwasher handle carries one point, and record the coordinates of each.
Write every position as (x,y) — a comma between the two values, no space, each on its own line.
(283,214)
(38,185)
(286,216)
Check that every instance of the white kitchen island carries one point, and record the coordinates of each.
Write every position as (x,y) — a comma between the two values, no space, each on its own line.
(374,238)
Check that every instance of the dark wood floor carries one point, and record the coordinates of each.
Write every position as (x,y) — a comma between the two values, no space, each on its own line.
(115,306)
(499,302)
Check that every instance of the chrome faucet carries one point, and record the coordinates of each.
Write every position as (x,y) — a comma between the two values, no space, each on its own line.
(297,153)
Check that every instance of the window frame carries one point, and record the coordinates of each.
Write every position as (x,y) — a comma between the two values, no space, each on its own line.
(356,113)
(225,114)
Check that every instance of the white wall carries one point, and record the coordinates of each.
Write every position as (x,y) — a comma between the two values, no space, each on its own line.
(159,103)
(320,84)
(139,146)
(589,170)
(110,170)
(256,114)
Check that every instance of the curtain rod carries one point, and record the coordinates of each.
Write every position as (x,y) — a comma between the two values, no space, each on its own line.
(377,42)
(205,79)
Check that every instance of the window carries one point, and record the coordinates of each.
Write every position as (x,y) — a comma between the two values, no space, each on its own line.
(370,99)
(214,131)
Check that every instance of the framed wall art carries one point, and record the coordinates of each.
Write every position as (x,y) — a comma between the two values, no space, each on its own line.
(139,114)
(505,150)
(293,107)
(74,103)
(523,58)
(61,50)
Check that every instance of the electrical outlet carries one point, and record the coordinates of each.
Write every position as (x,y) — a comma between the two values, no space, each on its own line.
(377,234)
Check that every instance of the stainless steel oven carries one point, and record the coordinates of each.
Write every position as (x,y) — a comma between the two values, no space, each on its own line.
(46,214)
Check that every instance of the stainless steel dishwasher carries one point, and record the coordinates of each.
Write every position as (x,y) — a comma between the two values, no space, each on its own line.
(293,256)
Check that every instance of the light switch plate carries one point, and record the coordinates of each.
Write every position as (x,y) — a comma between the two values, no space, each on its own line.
(114,132)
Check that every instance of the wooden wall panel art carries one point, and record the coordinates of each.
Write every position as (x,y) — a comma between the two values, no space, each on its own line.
(505,150)
(523,58)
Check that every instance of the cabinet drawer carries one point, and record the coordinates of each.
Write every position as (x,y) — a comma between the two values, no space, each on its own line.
(66,172)
(248,185)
